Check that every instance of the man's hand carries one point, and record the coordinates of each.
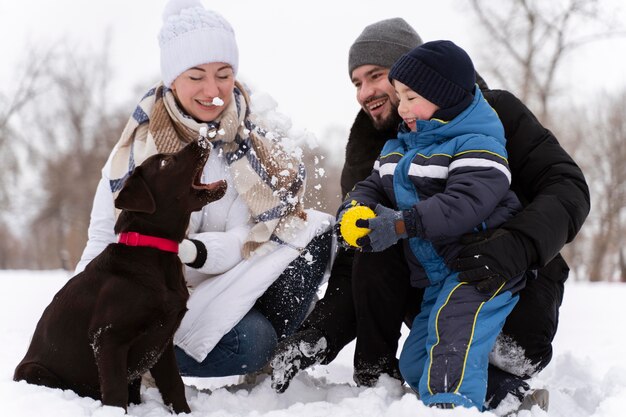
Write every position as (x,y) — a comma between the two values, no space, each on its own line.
(491,258)
(385,229)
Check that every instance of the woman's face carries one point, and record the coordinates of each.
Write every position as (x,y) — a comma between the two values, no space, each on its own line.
(206,90)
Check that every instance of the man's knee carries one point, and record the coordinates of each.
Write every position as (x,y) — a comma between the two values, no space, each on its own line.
(374,271)
(529,330)
(257,340)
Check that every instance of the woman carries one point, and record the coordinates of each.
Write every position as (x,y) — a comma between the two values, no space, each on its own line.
(254,258)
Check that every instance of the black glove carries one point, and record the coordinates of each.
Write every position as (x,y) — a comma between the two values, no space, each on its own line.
(493,257)
(337,228)
(340,240)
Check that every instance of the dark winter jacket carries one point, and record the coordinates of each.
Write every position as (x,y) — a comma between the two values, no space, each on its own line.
(550,185)
(364,145)
(449,178)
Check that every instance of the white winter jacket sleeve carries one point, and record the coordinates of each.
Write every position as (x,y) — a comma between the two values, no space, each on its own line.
(224,248)
(101,224)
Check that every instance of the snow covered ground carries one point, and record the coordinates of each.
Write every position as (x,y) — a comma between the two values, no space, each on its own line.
(587,376)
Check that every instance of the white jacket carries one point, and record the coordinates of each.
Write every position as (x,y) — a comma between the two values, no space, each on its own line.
(226,286)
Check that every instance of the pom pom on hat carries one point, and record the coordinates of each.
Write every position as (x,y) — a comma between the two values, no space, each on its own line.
(192,35)
(175,7)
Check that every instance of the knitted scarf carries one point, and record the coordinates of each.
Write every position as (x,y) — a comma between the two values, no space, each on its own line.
(270,181)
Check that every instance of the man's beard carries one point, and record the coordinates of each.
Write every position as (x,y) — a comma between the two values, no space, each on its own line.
(389,122)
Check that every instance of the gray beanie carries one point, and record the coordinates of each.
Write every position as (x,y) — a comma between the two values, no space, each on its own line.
(382,43)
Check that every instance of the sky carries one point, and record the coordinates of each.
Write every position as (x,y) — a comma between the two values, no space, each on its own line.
(295,51)
(586,378)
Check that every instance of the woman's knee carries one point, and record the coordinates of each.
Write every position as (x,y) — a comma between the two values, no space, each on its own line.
(257,340)
(246,348)
(255,326)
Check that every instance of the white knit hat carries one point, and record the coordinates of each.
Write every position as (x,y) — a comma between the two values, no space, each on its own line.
(192,35)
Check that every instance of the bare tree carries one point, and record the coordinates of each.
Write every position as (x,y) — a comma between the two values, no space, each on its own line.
(70,137)
(622,265)
(8,253)
(607,177)
(13,99)
(600,129)
(530,39)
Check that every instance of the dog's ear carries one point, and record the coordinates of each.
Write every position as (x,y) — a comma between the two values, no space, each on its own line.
(135,195)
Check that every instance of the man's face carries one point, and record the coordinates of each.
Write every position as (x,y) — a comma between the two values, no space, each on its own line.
(375,94)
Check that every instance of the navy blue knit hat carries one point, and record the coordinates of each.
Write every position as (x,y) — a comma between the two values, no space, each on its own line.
(442,73)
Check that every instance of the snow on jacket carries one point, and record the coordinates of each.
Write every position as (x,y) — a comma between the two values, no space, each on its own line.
(453,176)
(227,285)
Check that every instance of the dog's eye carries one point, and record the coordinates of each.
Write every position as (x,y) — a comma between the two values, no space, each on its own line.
(164,162)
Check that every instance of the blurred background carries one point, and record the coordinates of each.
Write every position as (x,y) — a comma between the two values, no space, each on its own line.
(73,71)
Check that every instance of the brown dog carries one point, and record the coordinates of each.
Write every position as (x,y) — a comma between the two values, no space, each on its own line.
(116,319)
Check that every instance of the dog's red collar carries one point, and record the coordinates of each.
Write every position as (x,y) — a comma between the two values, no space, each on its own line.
(136,239)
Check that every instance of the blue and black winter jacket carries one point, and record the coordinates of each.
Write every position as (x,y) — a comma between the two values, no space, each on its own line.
(452,178)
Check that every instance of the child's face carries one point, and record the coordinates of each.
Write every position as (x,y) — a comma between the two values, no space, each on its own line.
(412,106)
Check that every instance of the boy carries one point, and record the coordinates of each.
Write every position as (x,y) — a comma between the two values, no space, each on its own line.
(445,175)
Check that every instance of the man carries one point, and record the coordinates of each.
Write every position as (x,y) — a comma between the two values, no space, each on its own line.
(556,202)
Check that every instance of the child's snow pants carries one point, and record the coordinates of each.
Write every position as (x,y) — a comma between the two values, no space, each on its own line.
(446,354)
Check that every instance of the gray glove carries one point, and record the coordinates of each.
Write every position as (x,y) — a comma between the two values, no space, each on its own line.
(385,229)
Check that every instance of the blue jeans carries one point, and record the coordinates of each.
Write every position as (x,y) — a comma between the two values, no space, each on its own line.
(246,348)
(278,313)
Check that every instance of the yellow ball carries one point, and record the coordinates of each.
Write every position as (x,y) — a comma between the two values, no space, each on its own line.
(349,230)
